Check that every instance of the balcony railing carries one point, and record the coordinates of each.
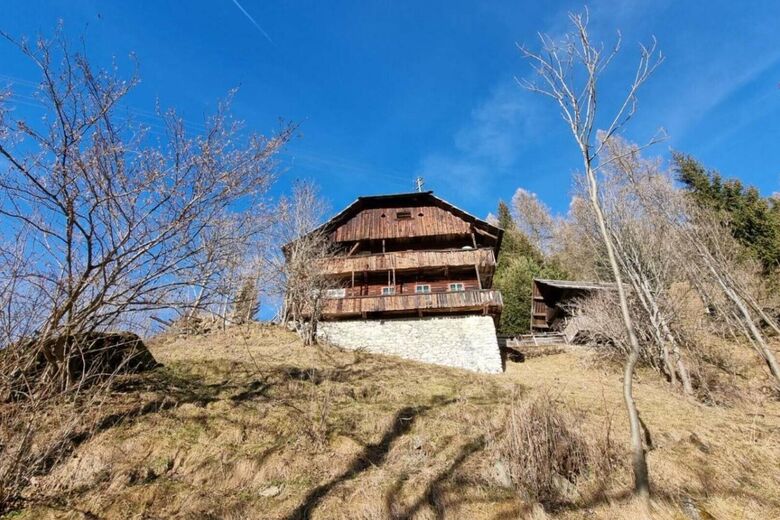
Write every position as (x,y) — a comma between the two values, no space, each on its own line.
(488,301)
(402,260)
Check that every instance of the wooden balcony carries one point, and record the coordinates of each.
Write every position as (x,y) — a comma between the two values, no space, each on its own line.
(482,258)
(486,301)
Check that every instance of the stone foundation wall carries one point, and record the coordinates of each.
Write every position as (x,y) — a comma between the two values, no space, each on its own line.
(457,341)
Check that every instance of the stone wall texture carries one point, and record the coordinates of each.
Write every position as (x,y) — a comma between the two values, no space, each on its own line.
(457,341)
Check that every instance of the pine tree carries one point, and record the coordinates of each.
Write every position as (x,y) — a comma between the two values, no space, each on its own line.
(752,219)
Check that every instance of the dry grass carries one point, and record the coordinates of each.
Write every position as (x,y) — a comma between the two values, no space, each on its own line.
(250,424)
(543,452)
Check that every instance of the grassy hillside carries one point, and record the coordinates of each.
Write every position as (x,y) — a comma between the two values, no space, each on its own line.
(251,424)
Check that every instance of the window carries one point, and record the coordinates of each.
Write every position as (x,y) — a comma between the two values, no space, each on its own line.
(388,290)
(456,287)
(336,293)
(422,288)
(403,215)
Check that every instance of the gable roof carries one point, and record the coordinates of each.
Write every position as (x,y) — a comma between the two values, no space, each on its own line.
(424,198)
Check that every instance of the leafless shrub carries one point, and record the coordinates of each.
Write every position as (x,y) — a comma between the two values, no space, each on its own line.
(543,448)
(317,415)
(299,280)
(688,279)
(104,226)
(119,225)
(643,238)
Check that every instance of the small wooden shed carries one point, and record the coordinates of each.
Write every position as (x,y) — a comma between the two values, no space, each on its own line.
(552,300)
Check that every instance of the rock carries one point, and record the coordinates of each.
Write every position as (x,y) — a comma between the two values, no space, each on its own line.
(501,474)
(271,491)
(565,489)
(690,508)
(699,443)
(98,355)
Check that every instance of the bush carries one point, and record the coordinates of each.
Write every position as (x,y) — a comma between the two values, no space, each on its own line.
(544,451)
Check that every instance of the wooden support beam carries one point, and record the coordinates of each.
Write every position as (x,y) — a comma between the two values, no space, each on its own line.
(354,248)
(483,232)
(479,278)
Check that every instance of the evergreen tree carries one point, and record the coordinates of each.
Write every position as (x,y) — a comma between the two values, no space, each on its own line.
(752,219)
(518,264)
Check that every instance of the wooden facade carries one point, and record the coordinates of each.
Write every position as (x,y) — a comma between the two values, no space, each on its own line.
(410,254)
(470,301)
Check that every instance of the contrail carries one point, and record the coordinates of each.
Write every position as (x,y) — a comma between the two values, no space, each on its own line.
(249,16)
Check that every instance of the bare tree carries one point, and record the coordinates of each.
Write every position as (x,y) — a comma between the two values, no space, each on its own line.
(301,283)
(577,245)
(636,195)
(568,71)
(534,218)
(683,242)
(667,247)
(723,280)
(120,223)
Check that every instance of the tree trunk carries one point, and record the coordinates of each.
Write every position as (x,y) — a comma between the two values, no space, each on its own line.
(641,474)
(758,338)
(682,369)
(659,321)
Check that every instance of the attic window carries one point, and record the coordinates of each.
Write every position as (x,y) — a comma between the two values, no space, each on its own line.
(403,215)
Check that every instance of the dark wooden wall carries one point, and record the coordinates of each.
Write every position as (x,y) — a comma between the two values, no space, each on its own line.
(382,223)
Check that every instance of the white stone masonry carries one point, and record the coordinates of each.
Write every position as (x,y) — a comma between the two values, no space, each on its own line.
(457,341)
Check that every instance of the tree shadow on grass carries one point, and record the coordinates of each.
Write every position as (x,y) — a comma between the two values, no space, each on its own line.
(431,495)
(372,455)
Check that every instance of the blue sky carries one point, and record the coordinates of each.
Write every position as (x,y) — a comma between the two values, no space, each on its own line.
(387,91)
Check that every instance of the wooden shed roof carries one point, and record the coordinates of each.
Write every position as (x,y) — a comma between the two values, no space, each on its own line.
(574,284)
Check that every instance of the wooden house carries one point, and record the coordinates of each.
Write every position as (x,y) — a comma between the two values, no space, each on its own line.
(410,255)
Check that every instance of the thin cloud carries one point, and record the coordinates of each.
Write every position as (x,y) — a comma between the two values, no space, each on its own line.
(257,25)
(487,146)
